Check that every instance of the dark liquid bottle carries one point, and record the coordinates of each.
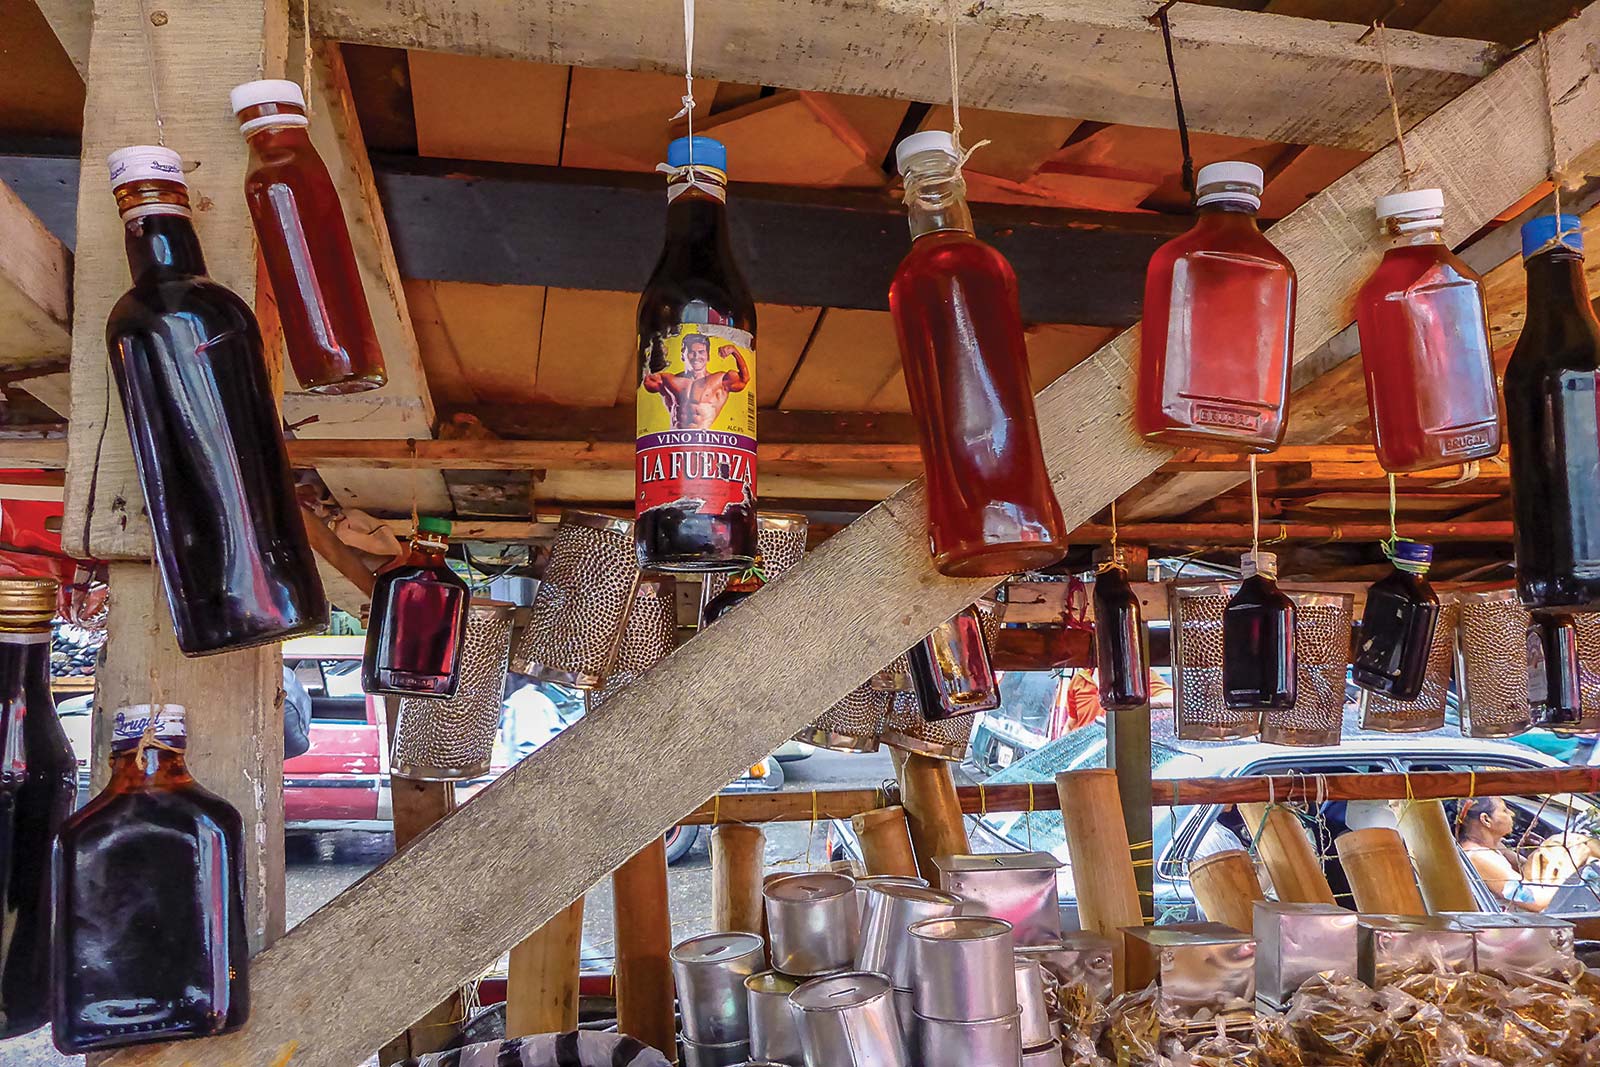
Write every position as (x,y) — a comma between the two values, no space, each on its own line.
(38,783)
(1555,692)
(741,587)
(418,623)
(1397,626)
(305,244)
(1258,661)
(1552,425)
(150,941)
(991,508)
(950,669)
(695,463)
(187,358)
(1121,653)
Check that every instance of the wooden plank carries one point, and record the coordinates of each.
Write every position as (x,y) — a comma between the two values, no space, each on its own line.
(1019,144)
(54,391)
(471,107)
(588,347)
(547,422)
(1244,73)
(794,138)
(71,21)
(853,354)
(489,331)
(801,644)
(617,119)
(35,289)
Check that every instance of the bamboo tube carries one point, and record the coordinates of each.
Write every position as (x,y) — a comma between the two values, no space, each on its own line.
(1379,869)
(1440,873)
(737,853)
(542,980)
(1102,866)
(885,841)
(933,812)
(643,928)
(1286,850)
(1226,887)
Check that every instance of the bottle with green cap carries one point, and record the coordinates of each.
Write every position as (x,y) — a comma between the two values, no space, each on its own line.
(418,623)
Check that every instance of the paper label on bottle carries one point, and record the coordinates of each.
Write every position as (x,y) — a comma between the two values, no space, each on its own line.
(695,446)
(163,723)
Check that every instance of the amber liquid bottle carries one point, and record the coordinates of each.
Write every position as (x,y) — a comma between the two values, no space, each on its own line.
(1397,626)
(327,327)
(1121,648)
(1258,661)
(695,460)
(150,941)
(991,508)
(418,623)
(38,783)
(1552,387)
(186,354)
(1216,335)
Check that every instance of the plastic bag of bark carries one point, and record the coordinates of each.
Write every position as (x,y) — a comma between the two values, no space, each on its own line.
(1337,1021)
(577,1048)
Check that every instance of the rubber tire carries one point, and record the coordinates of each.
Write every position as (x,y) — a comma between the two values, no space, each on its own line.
(680,842)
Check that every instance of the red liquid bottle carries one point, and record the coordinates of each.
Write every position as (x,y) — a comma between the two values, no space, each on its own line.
(150,941)
(418,623)
(1425,344)
(327,327)
(1121,651)
(1258,661)
(38,783)
(186,354)
(1216,336)
(991,509)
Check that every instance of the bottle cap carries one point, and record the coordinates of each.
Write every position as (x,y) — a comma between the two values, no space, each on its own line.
(1413,551)
(266,91)
(1231,180)
(1541,231)
(926,141)
(163,722)
(708,152)
(145,162)
(1426,202)
(27,603)
(433,524)
(1262,563)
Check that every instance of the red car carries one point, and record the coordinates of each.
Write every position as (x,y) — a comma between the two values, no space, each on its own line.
(342,781)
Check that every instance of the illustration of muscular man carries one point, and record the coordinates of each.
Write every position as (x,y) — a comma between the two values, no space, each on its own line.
(695,398)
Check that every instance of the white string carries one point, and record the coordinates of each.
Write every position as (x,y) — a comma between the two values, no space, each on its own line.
(150,61)
(1556,166)
(1255,508)
(688,75)
(955,87)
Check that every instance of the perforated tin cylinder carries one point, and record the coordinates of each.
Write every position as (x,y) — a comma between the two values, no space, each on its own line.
(1492,664)
(1322,664)
(446,740)
(647,637)
(1196,611)
(909,731)
(854,724)
(575,630)
(895,676)
(1386,714)
(781,540)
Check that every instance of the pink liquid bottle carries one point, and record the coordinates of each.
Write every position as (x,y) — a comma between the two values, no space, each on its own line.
(1425,344)
(1215,340)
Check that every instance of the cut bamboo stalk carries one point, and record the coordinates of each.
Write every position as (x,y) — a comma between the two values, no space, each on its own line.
(1440,873)
(737,853)
(933,812)
(643,929)
(542,980)
(1379,869)
(885,841)
(1102,866)
(1226,888)
(1286,850)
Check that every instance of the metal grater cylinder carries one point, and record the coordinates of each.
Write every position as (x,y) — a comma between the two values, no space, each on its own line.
(1388,715)
(575,628)
(909,731)
(446,740)
(1492,664)
(1322,665)
(650,633)
(854,724)
(1195,609)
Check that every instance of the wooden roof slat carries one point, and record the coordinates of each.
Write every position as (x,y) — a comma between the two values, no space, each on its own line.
(852,355)
(471,107)
(35,290)
(617,119)
(587,347)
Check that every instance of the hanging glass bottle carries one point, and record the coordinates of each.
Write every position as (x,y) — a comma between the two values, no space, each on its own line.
(950,669)
(327,327)
(1121,648)
(1555,692)
(418,622)
(1258,661)
(991,508)
(186,354)
(1397,626)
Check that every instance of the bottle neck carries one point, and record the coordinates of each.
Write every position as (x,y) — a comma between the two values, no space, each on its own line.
(1414,238)
(1556,287)
(936,196)
(163,242)
(134,771)
(1227,213)
(24,664)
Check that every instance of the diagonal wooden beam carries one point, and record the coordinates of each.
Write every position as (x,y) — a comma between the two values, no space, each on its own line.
(1247,74)
(35,290)
(72,22)
(581,805)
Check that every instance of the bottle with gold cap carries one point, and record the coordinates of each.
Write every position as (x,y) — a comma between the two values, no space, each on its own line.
(38,782)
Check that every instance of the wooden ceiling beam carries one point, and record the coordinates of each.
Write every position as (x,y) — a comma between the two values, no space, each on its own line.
(1244,73)
(35,290)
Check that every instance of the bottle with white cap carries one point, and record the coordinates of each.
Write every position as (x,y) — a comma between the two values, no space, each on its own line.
(1258,659)
(991,509)
(1218,326)
(305,244)
(187,357)
(1425,344)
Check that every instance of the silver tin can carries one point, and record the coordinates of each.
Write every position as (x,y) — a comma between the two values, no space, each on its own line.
(730,1054)
(981,1043)
(1080,957)
(891,909)
(1204,970)
(710,971)
(905,1010)
(1038,1027)
(773,1035)
(1296,941)
(1389,947)
(1045,1056)
(813,923)
(964,968)
(866,882)
(1519,941)
(848,1020)
(1019,887)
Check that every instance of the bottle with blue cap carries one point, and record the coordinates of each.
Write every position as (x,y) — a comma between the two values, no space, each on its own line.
(1397,627)
(1552,386)
(695,450)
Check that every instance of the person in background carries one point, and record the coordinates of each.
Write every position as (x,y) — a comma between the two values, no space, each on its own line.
(1482,826)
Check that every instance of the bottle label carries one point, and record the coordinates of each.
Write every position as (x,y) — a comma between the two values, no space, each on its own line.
(695,448)
(164,724)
